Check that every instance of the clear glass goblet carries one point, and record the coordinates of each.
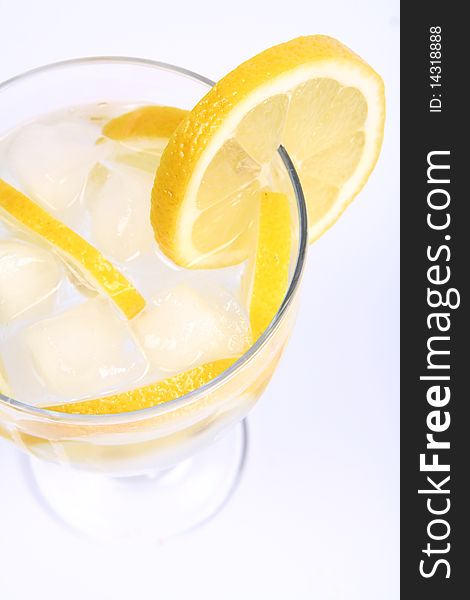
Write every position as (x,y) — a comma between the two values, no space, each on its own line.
(160,471)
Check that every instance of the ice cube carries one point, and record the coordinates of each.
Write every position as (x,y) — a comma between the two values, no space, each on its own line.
(85,351)
(185,328)
(52,161)
(120,212)
(29,275)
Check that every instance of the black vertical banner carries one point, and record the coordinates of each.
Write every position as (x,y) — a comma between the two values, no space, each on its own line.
(435,268)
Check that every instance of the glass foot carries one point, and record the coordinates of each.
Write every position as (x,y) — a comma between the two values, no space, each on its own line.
(155,508)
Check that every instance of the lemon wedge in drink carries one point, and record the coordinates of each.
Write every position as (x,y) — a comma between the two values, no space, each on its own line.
(141,135)
(270,274)
(149,395)
(314,96)
(75,250)
(151,121)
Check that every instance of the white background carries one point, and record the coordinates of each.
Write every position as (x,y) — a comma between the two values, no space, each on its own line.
(316,515)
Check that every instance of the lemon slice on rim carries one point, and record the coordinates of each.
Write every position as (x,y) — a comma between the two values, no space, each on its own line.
(313,95)
(269,280)
(75,250)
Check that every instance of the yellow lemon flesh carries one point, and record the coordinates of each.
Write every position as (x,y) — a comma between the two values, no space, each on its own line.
(314,96)
(78,252)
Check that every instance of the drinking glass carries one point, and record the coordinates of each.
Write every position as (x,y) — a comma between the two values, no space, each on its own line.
(160,471)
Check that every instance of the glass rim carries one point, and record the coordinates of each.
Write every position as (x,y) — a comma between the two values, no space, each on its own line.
(247,356)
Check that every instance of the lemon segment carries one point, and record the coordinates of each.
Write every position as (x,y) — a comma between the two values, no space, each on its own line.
(260,132)
(271,264)
(74,249)
(313,95)
(145,122)
(149,395)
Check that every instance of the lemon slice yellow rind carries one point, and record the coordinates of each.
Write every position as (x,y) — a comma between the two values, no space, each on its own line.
(150,395)
(270,276)
(341,141)
(85,257)
(145,122)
